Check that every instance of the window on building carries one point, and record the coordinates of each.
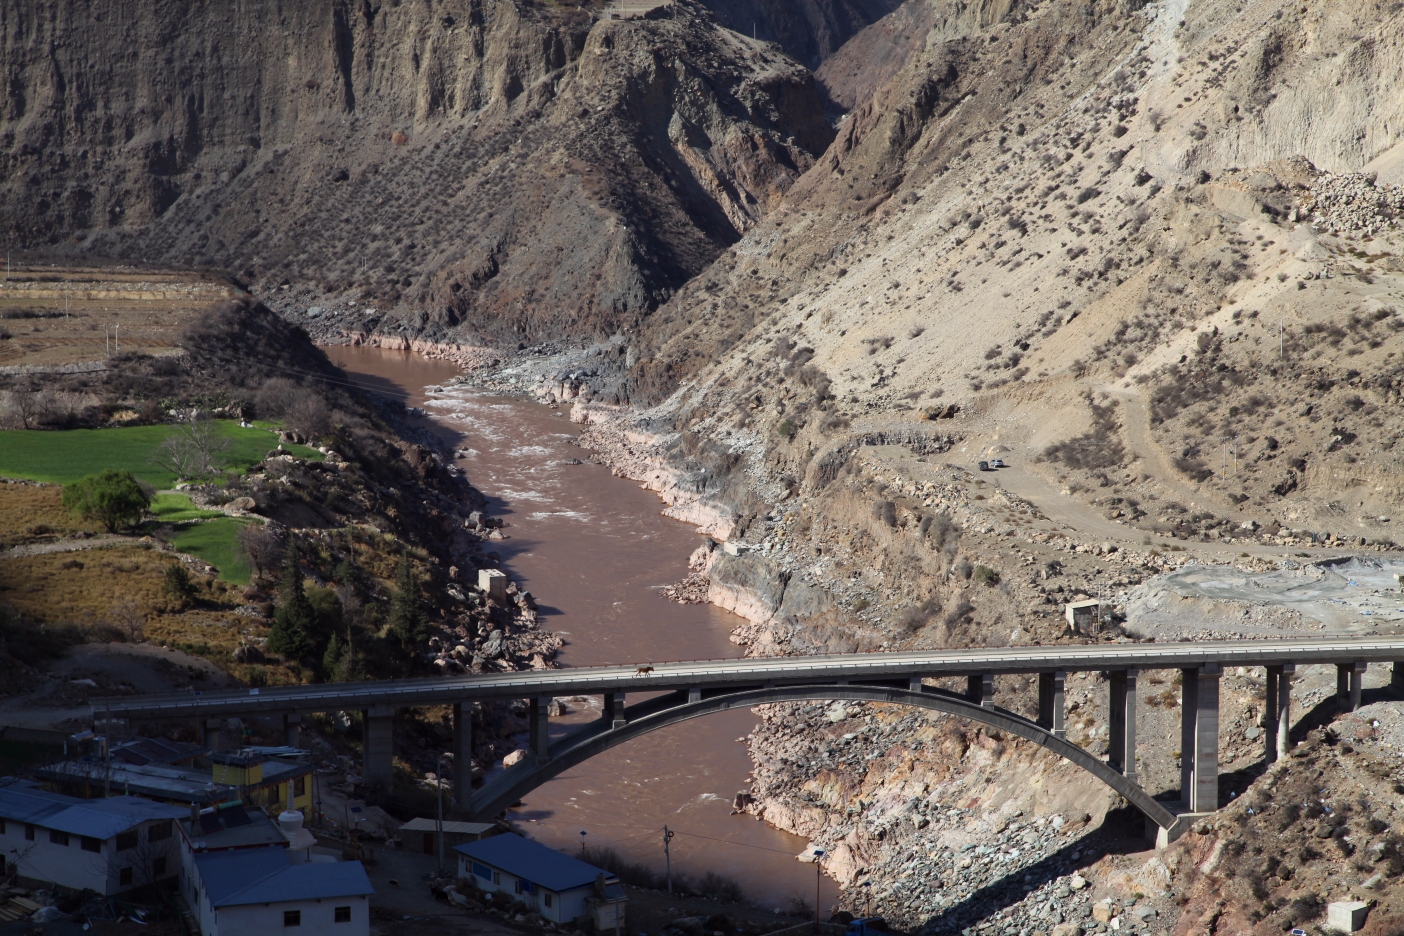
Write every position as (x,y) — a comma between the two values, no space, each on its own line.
(2,826)
(159,831)
(124,877)
(292,917)
(497,878)
(91,844)
(546,898)
(127,840)
(343,914)
(29,833)
(57,837)
(300,786)
(482,871)
(158,867)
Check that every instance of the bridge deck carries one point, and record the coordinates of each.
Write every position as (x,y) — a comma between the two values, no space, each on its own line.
(733,674)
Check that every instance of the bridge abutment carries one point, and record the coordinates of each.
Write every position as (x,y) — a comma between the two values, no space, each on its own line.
(378,744)
(1123,722)
(1199,738)
(1052,706)
(462,753)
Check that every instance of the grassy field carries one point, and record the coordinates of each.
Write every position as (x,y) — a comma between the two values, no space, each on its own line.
(61,457)
(216,542)
(171,507)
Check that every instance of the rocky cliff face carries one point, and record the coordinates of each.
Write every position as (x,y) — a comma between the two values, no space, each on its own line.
(474,168)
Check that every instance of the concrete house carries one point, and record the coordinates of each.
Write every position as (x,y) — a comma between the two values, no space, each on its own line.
(257,891)
(105,845)
(558,887)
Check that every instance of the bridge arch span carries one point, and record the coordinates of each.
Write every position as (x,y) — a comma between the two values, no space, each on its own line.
(671,709)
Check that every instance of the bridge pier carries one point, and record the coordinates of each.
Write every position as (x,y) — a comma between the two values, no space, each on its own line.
(214,733)
(539,737)
(979,688)
(1052,708)
(1350,678)
(1396,677)
(1277,712)
(378,744)
(292,729)
(614,709)
(1122,755)
(462,753)
(1199,738)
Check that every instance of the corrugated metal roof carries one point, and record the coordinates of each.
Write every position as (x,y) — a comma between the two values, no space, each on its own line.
(23,801)
(268,875)
(450,828)
(533,861)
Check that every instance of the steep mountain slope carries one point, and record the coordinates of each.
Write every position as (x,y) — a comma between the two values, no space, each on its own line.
(1150,254)
(1056,203)
(485,167)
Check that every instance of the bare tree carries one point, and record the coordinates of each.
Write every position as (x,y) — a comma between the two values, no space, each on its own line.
(127,615)
(193,450)
(24,406)
(263,547)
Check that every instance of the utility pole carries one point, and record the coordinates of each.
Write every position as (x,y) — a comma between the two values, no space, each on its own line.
(107,338)
(818,877)
(582,844)
(439,791)
(668,858)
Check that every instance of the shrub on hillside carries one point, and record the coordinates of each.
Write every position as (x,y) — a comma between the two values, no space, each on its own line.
(116,499)
(177,583)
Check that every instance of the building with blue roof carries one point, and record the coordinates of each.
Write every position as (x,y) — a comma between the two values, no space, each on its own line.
(104,845)
(252,891)
(560,888)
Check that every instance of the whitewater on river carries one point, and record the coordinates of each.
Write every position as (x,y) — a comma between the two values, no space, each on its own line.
(595,551)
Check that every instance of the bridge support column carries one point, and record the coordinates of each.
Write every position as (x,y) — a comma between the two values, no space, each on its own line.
(1199,738)
(1277,712)
(1051,706)
(1122,755)
(1352,677)
(292,729)
(979,688)
(614,709)
(694,694)
(378,744)
(913,683)
(214,733)
(539,727)
(462,753)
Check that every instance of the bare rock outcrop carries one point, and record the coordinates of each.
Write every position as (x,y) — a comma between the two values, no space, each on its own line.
(465,172)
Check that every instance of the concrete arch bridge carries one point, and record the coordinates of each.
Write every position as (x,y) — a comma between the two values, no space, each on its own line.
(675,692)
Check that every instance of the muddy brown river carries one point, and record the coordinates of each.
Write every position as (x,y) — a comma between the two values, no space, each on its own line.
(595,550)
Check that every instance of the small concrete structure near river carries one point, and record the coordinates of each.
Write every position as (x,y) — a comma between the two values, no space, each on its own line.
(677,692)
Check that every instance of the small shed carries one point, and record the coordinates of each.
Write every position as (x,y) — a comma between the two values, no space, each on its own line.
(1082,616)
(560,888)
(419,834)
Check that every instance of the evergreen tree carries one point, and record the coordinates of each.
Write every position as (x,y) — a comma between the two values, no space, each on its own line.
(295,618)
(331,660)
(407,623)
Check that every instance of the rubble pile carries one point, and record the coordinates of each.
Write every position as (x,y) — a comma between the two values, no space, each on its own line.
(492,637)
(1353,201)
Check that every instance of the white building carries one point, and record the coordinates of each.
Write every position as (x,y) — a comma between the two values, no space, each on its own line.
(104,845)
(558,887)
(257,891)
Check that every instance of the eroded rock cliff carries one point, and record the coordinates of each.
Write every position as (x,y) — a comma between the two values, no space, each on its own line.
(473,168)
